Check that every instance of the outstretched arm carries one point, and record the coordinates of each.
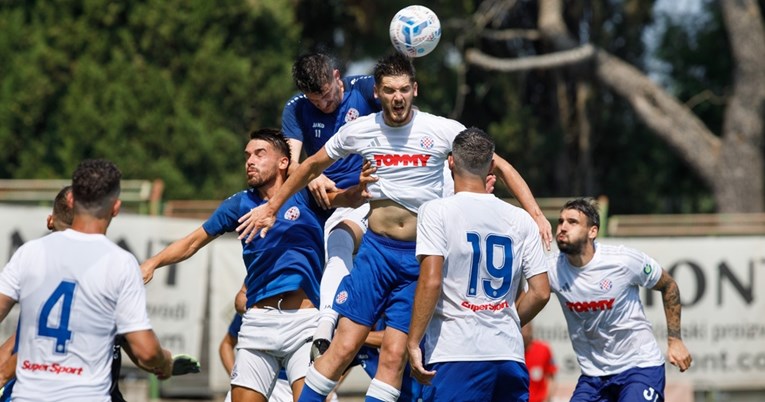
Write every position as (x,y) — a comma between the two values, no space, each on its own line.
(677,353)
(320,187)
(176,252)
(425,298)
(505,171)
(148,354)
(263,217)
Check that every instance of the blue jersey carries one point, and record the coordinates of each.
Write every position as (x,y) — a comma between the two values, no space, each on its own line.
(290,257)
(301,120)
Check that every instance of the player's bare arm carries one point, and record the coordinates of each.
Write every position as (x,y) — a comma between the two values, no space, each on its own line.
(7,361)
(513,180)
(176,252)
(148,354)
(425,298)
(677,353)
(354,196)
(534,299)
(319,187)
(261,219)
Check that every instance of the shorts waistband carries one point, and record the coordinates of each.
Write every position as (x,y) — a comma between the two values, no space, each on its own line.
(392,243)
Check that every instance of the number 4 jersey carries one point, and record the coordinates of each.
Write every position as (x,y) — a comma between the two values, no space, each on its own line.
(75,291)
(487,244)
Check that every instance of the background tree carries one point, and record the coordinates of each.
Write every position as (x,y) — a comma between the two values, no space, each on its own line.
(166,89)
(730,164)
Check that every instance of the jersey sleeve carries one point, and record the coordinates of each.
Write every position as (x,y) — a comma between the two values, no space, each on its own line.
(131,312)
(534,260)
(431,238)
(338,146)
(10,278)
(644,270)
(225,218)
(290,120)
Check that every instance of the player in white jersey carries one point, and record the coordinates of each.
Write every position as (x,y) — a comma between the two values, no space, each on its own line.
(76,290)
(597,286)
(408,148)
(474,250)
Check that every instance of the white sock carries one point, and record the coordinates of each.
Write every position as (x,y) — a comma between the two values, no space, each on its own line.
(339,263)
(317,382)
(382,391)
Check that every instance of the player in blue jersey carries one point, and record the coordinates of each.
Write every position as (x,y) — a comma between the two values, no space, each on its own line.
(408,148)
(309,119)
(283,271)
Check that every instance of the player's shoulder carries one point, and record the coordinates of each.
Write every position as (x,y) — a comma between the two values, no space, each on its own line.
(296,100)
(619,251)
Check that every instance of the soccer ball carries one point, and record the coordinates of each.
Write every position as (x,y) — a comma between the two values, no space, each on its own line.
(415,31)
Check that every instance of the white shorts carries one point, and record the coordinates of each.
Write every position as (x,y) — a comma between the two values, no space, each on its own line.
(356,215)
(269,340)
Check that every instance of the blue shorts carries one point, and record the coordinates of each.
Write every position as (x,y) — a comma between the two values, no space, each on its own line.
(499,380)
(383,280)
(638,384)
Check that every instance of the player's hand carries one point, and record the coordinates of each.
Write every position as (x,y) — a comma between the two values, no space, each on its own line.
(418,370)
(491,180)
(166,370)
(259,219)
(367,176)
(678,354)
(545,229)
(185,364)
(319,187)
(147,271)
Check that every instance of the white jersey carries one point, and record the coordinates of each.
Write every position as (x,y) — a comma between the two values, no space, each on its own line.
(608,328)
(487,246)
(75,291)
(409,159)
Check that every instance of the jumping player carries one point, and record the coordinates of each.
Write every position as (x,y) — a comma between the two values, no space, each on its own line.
(408,148)
(309,119)
(474,249)
(597,287)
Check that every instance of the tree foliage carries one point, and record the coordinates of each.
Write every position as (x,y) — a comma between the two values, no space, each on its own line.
(166,89)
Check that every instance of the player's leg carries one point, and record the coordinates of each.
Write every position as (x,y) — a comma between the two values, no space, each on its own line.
(325,373)
(386,385)
(387,382)
(640,384)
(344,230)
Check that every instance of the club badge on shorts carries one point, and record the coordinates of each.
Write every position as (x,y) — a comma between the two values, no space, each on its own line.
(341,297)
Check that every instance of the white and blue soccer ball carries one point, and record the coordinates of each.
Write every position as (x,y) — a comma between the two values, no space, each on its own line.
(415,31)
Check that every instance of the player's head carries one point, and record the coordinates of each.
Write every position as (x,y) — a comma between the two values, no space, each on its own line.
(395,87)
(578,225)
(268,157)
(96,188)
(472,153)
(315,75)
(62,215)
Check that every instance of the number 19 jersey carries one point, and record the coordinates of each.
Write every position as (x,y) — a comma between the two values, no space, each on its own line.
(75,291)
(487,244)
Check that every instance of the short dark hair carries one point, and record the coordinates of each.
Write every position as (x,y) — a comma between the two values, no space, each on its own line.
(588,206)
(312,71)
(394,64)
(95,186)
(473,151)
(274,137)
(61,209)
